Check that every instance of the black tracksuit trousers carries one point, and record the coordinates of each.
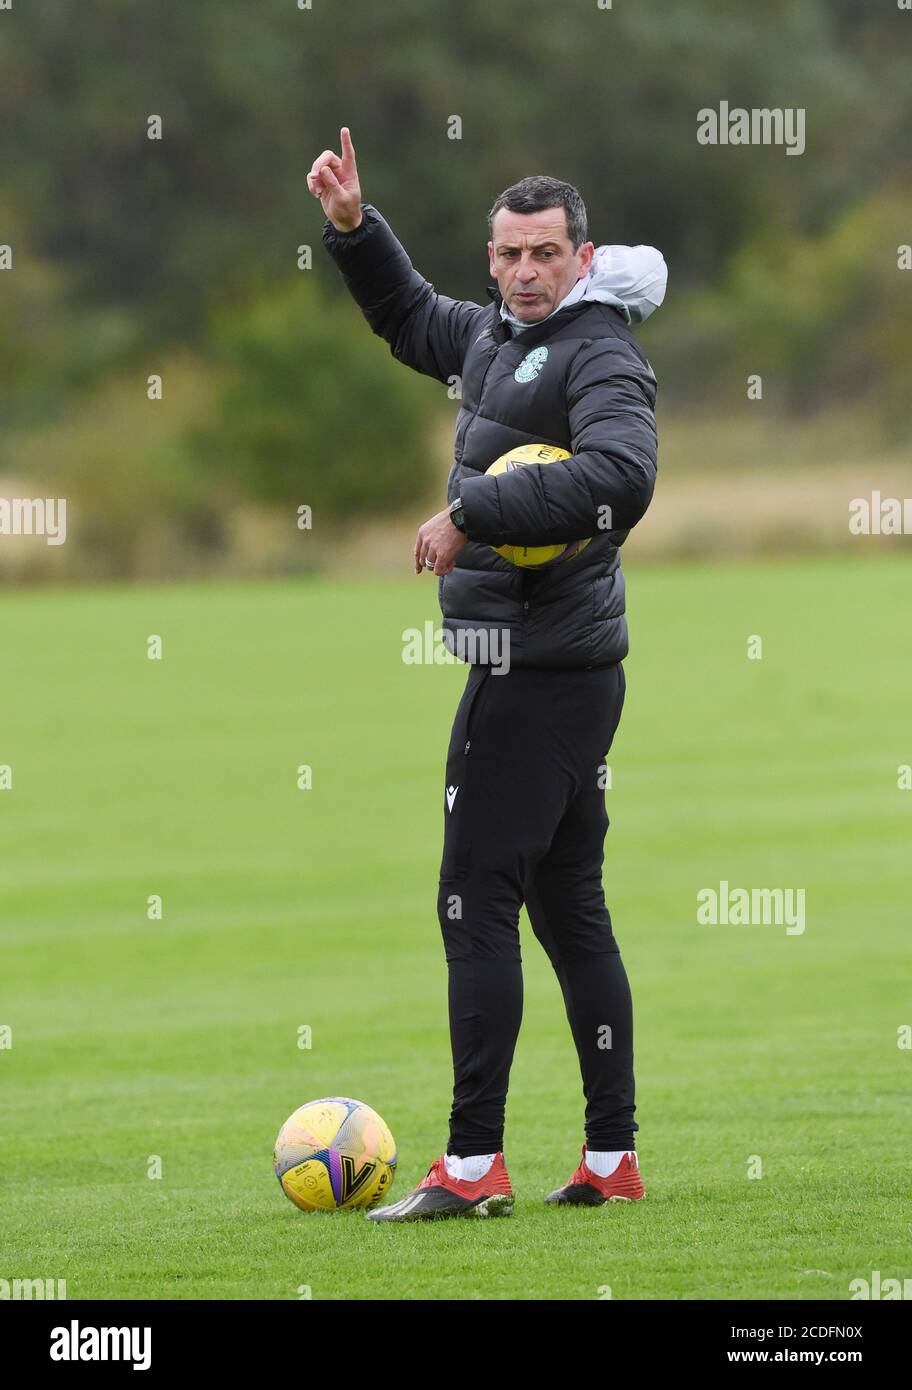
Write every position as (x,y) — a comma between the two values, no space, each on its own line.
(525,821)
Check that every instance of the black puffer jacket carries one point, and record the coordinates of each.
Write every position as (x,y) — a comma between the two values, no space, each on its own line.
(578,380)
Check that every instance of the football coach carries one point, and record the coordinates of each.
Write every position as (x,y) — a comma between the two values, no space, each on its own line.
(552,360)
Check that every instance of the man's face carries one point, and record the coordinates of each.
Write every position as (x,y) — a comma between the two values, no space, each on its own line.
(533,261)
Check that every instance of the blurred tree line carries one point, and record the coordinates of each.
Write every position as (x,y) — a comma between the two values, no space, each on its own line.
(130,255)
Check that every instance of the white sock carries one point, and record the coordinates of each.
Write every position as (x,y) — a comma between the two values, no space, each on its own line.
(603,1162)
(469,1169)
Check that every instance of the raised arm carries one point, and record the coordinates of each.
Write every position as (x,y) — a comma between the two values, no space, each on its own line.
(425,330)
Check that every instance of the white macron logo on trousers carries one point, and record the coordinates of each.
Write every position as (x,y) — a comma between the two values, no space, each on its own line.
(451,796)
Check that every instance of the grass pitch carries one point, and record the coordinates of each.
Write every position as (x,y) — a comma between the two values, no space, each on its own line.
(136,1040)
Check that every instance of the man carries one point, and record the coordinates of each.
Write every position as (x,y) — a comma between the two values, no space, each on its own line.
(552,361)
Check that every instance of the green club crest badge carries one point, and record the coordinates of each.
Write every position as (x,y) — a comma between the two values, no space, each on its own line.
(531,364)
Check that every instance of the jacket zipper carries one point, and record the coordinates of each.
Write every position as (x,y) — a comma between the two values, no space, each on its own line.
(484,382)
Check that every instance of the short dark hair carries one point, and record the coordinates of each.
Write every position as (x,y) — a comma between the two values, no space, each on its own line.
(538,192)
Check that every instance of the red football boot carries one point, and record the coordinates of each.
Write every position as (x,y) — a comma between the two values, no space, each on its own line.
(587,1189)
(440,1195)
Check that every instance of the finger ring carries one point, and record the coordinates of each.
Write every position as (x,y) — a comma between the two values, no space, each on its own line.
(429,564)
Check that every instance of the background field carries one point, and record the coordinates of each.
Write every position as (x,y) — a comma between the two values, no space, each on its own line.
(281,908)
(181,257)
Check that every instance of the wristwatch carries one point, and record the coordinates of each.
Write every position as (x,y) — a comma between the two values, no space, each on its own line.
(457,515)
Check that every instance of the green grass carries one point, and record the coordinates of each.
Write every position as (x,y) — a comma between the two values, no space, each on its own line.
(282,907)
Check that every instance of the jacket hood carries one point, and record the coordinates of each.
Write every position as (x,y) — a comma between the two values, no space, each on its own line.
(631,278)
